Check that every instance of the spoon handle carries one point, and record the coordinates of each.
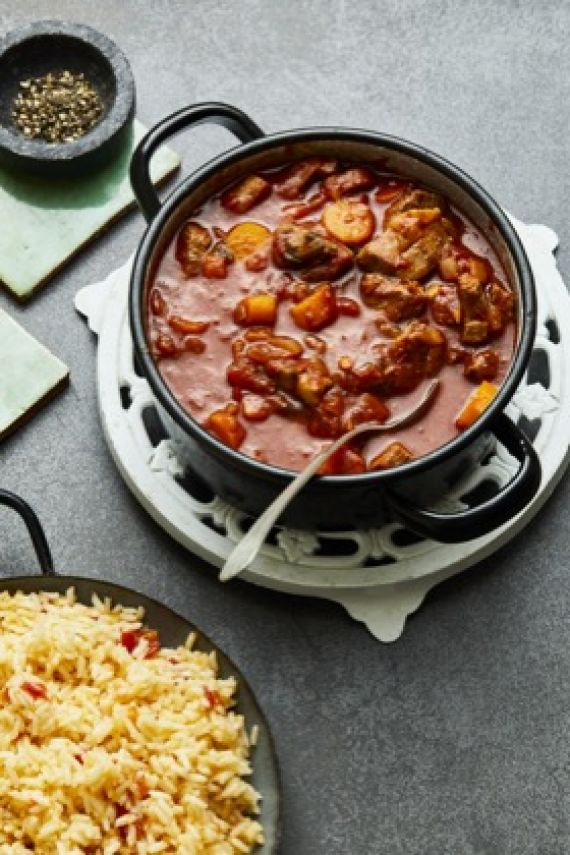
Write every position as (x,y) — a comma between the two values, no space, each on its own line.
(245,551)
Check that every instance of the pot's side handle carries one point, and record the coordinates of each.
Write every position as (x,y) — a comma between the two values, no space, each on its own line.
(34,527)
(480,520)
(229,117)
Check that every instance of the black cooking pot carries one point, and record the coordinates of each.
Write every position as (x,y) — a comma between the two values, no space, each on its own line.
(173,630)
(348,500)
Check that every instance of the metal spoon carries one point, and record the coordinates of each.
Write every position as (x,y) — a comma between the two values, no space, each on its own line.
(245,551)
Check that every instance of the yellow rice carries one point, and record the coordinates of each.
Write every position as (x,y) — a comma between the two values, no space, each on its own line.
(124,754)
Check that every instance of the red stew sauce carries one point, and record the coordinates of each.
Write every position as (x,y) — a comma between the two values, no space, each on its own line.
(301,302)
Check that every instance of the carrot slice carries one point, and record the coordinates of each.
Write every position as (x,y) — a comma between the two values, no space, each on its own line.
(247,238)
(476,404)
(256,310)
(349,221)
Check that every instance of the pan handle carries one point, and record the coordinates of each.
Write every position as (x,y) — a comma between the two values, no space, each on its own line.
(244,128)
(34,528)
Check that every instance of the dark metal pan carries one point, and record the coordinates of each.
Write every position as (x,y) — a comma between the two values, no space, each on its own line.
(173,629)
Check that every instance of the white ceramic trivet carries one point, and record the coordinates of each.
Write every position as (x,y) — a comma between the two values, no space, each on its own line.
(379,575)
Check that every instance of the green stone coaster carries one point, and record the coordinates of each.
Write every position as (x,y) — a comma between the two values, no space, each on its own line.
(45,222)
(29,375)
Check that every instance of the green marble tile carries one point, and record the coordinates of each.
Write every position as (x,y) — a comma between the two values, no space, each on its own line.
(45,222)
(29,374)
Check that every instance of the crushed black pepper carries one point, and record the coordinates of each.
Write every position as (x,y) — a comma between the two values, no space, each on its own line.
(59,107)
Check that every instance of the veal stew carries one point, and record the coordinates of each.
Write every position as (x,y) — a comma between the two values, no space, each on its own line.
(303,301)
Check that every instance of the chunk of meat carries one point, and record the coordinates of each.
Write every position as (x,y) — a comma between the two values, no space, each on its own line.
(418,352)
(302,209)
(409,200)
(215,263)
(349,221)
(313,381)
(305,248)
(422,346)
(245,374)
(382,254)
(284,372)
(297,177)
(191,245)
(399,300)
(256,408)
(359,378)
(276,347)
(476,404)
(246,195)
(366,408)
(413,223)
(389,189)
(350,181)
(256,310)
(226,426)
(485,309)
(393,455)
(456,259)
(444,304)
(316,311)
(481,365)
(419,259)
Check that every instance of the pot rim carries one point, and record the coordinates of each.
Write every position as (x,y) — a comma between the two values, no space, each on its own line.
(333,134)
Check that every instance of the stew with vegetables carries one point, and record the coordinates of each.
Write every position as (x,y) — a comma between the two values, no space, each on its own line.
(304,301)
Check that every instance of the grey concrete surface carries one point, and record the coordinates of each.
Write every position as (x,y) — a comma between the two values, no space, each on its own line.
(454,741)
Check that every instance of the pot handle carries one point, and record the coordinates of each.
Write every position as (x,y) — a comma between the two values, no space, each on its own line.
(229,117)
(474,522)
(34,528)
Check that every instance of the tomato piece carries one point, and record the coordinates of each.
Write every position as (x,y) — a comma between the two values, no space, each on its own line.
(476,404)
(226,426)
(348,221)
(131,638)
(247,238)
(316,311)
(244,196)
(213,697)
(256,310)
(36,691)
